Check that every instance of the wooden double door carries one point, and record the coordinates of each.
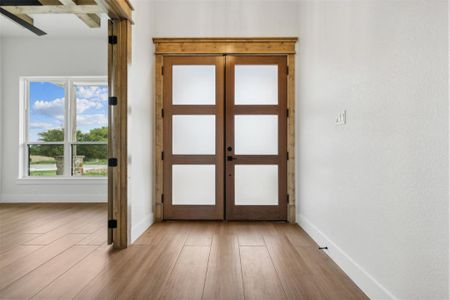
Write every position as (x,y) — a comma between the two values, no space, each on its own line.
(225,137)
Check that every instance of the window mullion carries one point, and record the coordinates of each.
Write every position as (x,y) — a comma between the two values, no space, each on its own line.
(67,129)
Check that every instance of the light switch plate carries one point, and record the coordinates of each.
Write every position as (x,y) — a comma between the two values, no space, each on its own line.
(341,118)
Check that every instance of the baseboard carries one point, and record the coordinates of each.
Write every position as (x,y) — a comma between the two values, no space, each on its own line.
(366,282)
(53,198)
(138,229)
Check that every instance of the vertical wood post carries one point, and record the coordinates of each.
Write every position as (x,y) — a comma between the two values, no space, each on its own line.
(118,54)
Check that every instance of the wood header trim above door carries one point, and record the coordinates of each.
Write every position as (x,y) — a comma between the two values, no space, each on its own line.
(275,45)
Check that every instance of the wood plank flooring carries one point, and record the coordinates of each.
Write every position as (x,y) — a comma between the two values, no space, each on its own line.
(59,251)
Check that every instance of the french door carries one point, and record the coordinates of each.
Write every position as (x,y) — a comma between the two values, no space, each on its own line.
(224,137)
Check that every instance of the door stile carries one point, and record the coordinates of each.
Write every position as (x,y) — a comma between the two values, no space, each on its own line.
(256,212)
(215,212)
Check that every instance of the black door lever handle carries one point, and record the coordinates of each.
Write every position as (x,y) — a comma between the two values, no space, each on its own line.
(230,158)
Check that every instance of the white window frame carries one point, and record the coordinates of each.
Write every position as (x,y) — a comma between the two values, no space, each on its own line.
(69,125)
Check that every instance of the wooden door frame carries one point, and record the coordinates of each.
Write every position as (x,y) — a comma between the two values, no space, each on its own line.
(119,56)
(283,46)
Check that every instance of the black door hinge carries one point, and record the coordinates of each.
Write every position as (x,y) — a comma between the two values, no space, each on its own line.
(287,112)
(162,113)
(162,198)
(287,70)
(112,101)
(112,223)
(287,155)
(162,70)
(112,39)
(287,198)
(162,155)
(112,162)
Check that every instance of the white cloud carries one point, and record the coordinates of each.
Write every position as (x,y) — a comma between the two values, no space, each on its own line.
(92,119)
(43,125)
(51,108)
(85,104)
(92,92)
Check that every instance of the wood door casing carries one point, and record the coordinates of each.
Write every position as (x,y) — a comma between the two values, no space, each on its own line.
(193,211)
(256,212)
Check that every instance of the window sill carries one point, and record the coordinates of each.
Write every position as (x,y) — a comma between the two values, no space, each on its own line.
(63,180)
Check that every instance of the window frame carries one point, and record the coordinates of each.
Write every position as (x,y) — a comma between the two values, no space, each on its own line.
(70,116)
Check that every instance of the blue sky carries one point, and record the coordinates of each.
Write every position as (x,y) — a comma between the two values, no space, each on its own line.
(47,107)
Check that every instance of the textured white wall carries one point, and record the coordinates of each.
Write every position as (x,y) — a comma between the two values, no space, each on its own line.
(43,57)
(224,18)
(140,123)
(376,190)
(1,109)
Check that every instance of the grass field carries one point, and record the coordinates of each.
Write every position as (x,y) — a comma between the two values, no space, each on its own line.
(41,160)
(94,173)
(43,173)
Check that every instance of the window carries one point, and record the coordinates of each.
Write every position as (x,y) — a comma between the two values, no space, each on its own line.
(65,127)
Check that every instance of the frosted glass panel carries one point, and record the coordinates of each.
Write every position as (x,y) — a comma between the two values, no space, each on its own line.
(256,134)
(256,84)
(194,134)
(193,184)
(256,185)
(194,84)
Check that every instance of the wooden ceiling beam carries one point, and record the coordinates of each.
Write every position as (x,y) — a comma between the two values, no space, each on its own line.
(23,20)
(55,9)
(117,9)
(90,19)
(26,18)
(50,2)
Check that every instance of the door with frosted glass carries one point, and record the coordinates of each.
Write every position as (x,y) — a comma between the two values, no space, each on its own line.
(193,137)
(256,136)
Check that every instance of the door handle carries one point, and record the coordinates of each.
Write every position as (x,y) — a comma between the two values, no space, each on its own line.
(230,158)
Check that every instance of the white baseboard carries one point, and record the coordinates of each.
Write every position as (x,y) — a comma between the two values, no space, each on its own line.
(138,229)
(366,282)
(53,198)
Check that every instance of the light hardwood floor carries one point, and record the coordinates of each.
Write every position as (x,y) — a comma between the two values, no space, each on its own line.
(59,251)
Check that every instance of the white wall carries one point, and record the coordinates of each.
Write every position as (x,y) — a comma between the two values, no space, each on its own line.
(44,57)
(224,18)
(1,109)
(376,190)
(140,124)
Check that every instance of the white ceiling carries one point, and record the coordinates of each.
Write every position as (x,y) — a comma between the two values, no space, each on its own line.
(55,25)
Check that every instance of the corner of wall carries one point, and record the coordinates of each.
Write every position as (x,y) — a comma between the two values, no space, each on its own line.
(367,283)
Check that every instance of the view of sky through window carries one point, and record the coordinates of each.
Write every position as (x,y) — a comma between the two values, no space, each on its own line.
(46,108)
(92,107)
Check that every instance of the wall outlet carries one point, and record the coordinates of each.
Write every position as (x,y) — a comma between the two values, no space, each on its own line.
(341,118)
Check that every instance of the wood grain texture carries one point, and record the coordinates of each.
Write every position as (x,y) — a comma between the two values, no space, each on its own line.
(291,138)
(224,45)
(158,137)
(171,260)
(117,133)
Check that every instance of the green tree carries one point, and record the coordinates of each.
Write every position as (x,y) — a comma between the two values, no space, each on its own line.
(52,135)
(91,152)
(94,135)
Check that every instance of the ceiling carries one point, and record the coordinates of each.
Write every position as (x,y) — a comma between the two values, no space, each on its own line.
(55,25)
